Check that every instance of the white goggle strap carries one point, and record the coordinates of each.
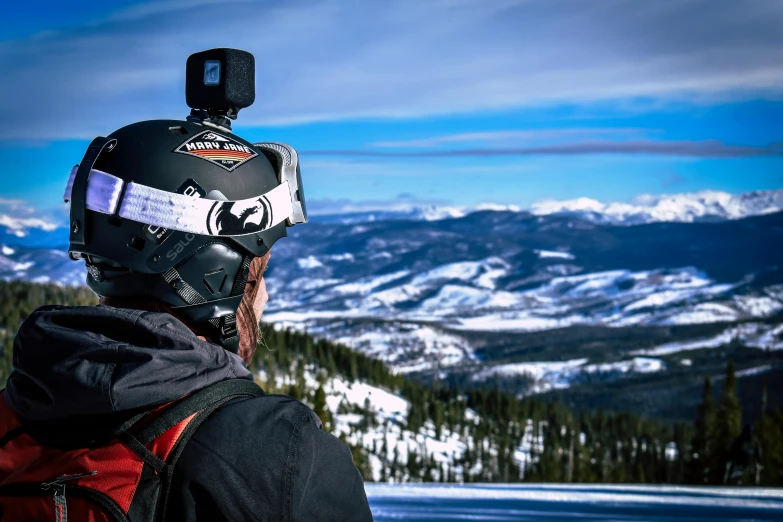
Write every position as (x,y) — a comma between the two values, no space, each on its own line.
(169,210)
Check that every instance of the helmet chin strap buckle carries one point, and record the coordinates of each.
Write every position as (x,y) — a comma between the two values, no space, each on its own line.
(228,326)
(229,334)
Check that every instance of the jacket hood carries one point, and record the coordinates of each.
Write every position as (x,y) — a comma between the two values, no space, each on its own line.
(72,362)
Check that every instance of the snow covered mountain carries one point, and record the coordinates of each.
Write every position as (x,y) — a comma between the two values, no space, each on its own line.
(686,208)
(410,211)
(708,205)
(459,295)
(550,300)
(40,265)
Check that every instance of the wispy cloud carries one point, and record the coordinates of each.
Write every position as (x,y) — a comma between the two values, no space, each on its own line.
(699,149)
(402,203)
(512,136)
(322,60)
(12,202)
(17,216)
(19,207)
(161,7)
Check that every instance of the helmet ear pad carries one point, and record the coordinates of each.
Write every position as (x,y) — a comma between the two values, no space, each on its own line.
(212,271)
(218,274)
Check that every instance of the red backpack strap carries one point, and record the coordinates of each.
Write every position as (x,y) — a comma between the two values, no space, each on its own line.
(173,427)
(11,434)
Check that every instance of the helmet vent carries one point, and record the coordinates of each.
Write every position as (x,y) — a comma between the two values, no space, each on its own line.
(178,130)
(136,242)
(215,280)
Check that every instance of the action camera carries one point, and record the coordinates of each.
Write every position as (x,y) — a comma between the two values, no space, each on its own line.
(220,82)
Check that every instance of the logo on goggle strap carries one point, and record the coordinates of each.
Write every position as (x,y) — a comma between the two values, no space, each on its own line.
(221,150)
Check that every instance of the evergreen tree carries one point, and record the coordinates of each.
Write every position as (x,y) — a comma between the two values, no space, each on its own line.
(360,459)
(295,392)
(769,446)
(701,457)
(353,373)
(728,427)
(320,409)
(438,419)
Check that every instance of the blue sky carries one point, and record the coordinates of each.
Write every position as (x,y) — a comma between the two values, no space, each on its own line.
(448,101)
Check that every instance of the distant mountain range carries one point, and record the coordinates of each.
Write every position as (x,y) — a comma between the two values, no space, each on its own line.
(563,296)
(686,208)
(707,205)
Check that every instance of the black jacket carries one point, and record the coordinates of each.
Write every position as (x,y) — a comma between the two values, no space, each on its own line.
(79,371)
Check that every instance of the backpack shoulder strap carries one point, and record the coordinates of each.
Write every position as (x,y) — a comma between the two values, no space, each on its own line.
(203,402)
(199,406)
(11,424)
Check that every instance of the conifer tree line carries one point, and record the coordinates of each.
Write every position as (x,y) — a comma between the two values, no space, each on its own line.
(726,451)
(560,445)
(564,446)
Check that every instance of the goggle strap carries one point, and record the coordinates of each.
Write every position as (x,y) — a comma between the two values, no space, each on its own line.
(184,213)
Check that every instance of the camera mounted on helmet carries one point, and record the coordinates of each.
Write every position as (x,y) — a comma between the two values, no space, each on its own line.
(176,210)
(218,83)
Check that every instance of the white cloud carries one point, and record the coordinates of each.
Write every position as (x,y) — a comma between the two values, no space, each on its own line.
(356,59)
(17,216)
(21,225)
(17,207)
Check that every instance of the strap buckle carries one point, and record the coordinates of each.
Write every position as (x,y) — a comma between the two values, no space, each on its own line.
(228,326)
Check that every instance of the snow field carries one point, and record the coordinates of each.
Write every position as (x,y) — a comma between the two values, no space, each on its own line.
(543,254)
(409,348)
(467,296)
(593,495)
(548,376)
(402,337)
(755,335)
(365,286)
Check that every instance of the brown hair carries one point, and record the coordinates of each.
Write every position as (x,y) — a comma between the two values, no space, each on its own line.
(247,322)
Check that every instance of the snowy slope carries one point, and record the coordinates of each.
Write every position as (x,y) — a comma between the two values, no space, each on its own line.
(547,376)
(40,265)
(571,502)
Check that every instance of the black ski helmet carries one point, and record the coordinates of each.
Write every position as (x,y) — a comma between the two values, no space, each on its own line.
(176,210)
